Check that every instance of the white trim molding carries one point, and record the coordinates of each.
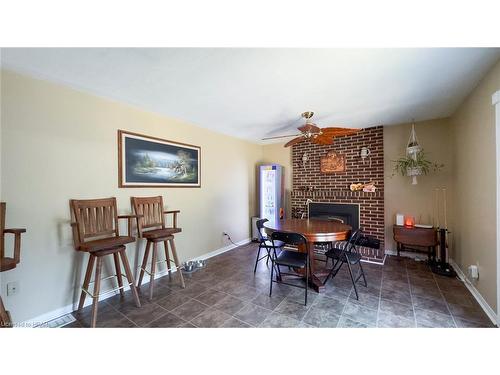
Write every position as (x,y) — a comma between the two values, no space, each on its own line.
(479,298)
(40,320)
(495,100)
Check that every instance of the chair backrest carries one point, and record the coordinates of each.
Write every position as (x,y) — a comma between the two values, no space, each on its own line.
(94,218)
(260,226)
(351,243)
(151,209)
(2,228)
(289,238)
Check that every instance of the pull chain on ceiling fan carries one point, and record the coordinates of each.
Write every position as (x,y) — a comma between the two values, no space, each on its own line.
(310,131)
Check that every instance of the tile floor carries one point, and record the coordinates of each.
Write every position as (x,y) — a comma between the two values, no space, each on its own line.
(402,293)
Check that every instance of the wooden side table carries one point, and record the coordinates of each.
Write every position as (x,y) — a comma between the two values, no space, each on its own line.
(406,238)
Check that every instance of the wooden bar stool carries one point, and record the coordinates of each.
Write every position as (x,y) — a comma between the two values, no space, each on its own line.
(151,216)
(8,263)
(95,230)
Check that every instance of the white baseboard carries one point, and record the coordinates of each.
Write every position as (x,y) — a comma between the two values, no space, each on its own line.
(479,298)
(54,314)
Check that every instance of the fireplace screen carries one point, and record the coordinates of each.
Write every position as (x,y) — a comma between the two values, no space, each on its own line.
(345,213)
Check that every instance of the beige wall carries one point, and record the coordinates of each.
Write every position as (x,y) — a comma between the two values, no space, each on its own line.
(58,143)
(475,184)
(417,200)
(276,153)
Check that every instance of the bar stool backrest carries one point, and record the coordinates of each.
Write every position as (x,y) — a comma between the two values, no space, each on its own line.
(151,209)
(94,218)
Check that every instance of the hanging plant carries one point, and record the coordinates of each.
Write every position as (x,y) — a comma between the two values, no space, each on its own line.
(413,165)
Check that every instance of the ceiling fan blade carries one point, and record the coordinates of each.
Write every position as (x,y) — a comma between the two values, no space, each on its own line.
(281,136)
(338,132)
(294,141)
(323,139)
(311,128)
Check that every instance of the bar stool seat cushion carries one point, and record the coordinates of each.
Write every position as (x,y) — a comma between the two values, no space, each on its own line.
(105,243)
(160,234)
(7,264)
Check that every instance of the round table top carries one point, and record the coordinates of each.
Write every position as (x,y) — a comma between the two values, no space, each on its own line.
(315,230)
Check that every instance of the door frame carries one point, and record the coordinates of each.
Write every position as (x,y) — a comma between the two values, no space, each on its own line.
(496,103)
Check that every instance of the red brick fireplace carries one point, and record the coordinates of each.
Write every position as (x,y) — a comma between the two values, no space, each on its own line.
(310,183)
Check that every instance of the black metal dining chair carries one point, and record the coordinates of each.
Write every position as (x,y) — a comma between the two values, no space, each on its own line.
(346,252)
(265,243)
(290,259)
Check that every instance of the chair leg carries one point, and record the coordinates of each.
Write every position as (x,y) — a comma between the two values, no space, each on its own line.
(271,283)
(130,277)
(97,288)
(86,282)
(167,259)
(257,260)
(352,279)
(118,269)
(153,270)
(307,279)
(176,260)
(363,274)
(144,263)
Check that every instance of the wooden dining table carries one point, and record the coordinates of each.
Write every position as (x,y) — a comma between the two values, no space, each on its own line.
(314,230)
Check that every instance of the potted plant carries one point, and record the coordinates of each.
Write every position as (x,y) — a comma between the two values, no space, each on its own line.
(414,165)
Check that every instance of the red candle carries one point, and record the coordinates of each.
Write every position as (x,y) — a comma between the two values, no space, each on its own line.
(409,221)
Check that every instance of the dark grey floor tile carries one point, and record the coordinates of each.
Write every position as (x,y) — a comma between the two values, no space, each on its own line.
(253,314)
(193,290)
(398,309)
(168,320)
(292,308)
(429,319)
(402,286)
(211,297)
(462,323)
(186,325)
(210,318)
(360,314)
(298,295)
(335,305)
(172,301)
(460,299)
(346,322)
(388,320)
(321,317)
(366,300)
(473,314)
(230,305)
(245,292)
(267,302)
(232,322)
(276,320)
(400,296)
(430,304)
(189,310)
(144,315)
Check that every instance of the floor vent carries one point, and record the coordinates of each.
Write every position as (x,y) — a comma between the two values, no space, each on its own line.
(60,322)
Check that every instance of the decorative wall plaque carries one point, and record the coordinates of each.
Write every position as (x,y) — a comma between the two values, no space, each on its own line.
(332,162)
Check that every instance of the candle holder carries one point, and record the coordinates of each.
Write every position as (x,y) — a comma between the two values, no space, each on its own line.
(409,221)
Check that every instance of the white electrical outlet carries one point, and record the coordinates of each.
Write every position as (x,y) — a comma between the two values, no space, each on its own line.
(12,288)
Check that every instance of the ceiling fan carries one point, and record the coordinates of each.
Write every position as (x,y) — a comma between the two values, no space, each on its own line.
(310,131)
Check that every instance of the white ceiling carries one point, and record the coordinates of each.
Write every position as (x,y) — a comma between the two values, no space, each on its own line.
(253,93)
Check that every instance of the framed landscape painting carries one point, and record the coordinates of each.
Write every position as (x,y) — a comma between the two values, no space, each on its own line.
(145,161)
